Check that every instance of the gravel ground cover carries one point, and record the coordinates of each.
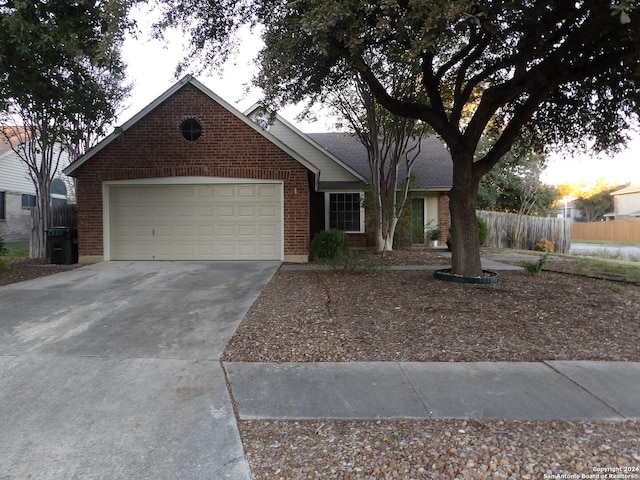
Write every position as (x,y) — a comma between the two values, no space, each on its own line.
(442,450)
(409,316)
(331,316)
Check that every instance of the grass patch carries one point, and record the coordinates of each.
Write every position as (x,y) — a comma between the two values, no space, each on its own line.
(17,250)
(355,261)
(618,270)
(614,287)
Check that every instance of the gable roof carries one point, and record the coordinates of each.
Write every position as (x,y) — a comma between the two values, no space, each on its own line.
(188,79)
(432,169)
(334,173)
(627,190)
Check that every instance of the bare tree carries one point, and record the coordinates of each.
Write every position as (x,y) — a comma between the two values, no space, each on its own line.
(392,142)
(36,144)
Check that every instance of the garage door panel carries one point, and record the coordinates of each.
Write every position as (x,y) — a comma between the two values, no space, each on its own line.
(246,230)
(268,191)
(225,191)
(226,230)
(247,211)
(196,222)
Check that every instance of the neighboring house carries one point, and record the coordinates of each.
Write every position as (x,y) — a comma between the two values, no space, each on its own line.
(191,178)
(626,203)
(568,209)
(17,193)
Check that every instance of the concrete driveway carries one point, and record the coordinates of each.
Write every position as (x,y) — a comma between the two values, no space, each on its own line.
(112,371)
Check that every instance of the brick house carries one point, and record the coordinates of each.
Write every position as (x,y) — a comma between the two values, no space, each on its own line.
(192,178)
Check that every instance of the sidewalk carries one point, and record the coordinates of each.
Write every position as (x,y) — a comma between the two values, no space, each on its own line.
(552,390)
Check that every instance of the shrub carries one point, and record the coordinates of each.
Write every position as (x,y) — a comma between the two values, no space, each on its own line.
(483,231)
(3,249)
(534,268)
(4,264)
(545,245)
(328,244)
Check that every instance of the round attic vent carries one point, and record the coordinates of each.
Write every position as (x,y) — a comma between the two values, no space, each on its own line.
(191,130)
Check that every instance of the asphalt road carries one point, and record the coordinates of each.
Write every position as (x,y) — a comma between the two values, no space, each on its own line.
(629,252)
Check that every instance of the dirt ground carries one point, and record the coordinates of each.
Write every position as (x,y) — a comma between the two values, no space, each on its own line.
(390,315)
(407,315)
(27,269)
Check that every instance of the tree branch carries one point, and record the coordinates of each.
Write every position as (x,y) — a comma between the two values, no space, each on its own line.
(408,109)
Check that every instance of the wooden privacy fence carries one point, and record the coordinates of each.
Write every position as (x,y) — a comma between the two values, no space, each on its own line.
(615,231)
(63,216)
(511,230)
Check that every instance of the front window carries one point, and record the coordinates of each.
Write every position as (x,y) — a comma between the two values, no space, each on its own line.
(3,210)
(345,212)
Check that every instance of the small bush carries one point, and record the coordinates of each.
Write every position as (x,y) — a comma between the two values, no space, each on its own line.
(534,268)
(328,244)
(483,231)
(4,264)
(516,238)
(545,245)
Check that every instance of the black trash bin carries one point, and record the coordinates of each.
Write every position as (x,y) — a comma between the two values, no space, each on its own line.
(63,245)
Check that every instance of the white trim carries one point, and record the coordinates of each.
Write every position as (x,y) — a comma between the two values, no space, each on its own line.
(106,186)
(327,198)
(188,181)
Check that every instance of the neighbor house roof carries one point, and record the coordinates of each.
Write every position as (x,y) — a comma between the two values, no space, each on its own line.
(432,169)
(626,190)
(15,134)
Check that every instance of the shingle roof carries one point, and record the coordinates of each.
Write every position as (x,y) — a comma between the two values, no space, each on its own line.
(433,169)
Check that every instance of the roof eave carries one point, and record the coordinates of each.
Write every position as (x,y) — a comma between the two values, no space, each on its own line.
(308,139)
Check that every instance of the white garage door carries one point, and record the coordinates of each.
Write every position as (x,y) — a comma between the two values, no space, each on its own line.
(195,222)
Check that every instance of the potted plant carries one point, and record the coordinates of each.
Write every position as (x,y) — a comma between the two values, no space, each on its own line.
(434,235)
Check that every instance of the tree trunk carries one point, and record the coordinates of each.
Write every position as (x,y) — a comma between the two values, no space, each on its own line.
(385,231)
(40,217)
(463,198)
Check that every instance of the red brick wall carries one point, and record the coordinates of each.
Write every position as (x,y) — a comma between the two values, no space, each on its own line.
(154,148)
(358,240)
(444,215)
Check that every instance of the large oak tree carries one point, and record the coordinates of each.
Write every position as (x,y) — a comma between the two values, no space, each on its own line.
(562,72)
